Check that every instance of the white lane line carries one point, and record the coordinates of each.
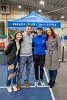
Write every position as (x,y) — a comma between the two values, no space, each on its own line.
(49,88)
(25,86)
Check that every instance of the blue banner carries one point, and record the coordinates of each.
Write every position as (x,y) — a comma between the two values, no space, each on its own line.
(34,24)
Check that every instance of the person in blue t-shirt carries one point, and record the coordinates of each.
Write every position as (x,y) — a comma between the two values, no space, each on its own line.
(39,46)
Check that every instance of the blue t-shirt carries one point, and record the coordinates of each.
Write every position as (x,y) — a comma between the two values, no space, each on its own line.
(38,43)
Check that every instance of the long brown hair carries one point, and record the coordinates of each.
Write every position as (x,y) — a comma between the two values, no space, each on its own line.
(14,36)
(52,31)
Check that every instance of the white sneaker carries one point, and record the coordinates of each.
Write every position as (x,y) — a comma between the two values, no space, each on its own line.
(9,89)
(14,88)
(36,83)
(42,83)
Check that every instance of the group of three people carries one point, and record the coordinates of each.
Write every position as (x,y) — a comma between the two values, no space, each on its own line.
(20,50)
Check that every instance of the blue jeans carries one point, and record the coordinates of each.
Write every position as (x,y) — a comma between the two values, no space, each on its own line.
(12,71)
(25,60)
(53,74)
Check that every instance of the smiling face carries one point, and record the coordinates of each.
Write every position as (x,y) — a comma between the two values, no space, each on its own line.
(49,32)
(39,31)
(28,29)
(18,36)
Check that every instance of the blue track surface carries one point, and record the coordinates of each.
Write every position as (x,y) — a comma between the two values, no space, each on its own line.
(39,93)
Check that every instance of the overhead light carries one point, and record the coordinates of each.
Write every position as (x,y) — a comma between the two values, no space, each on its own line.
(19,7)
(62,17)
(39,10)
(42,2)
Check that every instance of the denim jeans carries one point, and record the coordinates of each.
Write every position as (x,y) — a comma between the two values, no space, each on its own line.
(12,71)
(24,60)
(53,74)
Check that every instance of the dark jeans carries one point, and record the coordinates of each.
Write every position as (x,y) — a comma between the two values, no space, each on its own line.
(53,74)
(12,71)
(39,60)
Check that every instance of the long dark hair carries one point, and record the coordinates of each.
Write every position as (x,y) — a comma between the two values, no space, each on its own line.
(52,31)
(14,36)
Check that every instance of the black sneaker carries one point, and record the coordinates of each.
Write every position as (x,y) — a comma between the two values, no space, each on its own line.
(52,84)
